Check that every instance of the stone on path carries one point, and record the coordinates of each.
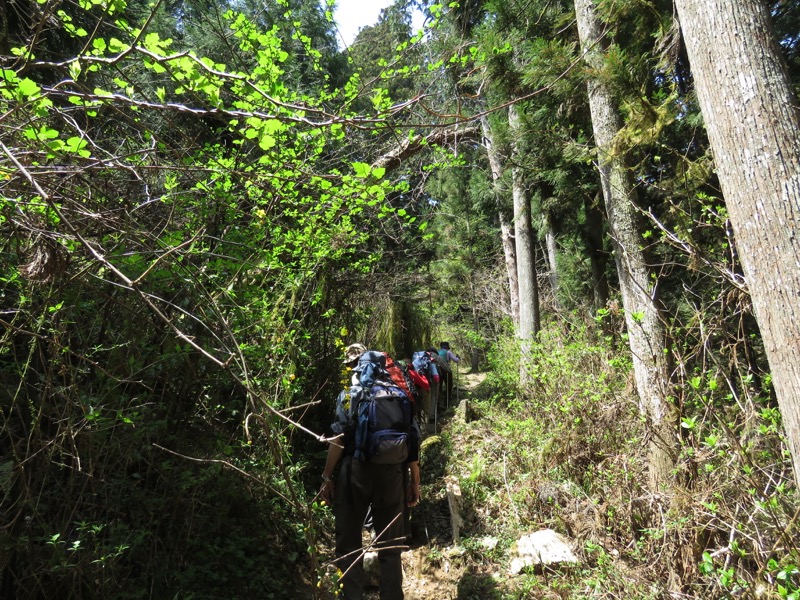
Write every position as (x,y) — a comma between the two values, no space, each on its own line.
(464,411)
(545,547)
(454,500)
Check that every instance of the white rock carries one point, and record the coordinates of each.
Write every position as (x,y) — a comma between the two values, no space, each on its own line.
(545,547)
(489,542)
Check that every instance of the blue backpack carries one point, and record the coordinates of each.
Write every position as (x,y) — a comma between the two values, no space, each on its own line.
(383,414)
(422,363)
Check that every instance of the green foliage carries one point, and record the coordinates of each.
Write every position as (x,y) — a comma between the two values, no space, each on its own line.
(171,298)
(567,453)
(561,454)
(193,221)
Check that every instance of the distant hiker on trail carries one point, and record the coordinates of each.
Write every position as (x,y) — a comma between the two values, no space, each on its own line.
(447,380)
(447,354)
(420,383)
(444,371)
(376,440)
(424,365)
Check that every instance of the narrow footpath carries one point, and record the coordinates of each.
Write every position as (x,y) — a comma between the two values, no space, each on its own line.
(432,567)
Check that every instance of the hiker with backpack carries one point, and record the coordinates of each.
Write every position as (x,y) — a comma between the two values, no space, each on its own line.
(420,383)
(447,380)
(424,365)
(375,443)
(444,372)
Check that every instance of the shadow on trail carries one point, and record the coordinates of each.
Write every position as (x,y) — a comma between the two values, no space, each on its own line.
(430,521)
(475,585)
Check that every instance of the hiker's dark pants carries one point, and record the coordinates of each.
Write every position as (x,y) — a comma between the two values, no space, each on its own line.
(446,383)
(361,483)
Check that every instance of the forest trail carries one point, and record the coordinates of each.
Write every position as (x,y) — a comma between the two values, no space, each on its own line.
(431,567)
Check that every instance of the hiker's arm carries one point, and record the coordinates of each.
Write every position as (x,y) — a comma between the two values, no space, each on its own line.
(412,493)
(335,450)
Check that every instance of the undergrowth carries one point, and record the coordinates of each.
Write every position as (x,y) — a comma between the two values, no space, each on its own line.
(568,452)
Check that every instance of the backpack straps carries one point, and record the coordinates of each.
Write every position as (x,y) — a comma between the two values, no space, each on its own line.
(362,429)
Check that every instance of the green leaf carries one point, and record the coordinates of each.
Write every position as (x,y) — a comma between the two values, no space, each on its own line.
(266,142)
(272,126)
(42,134)
(9,76)
(76,145)
(361,169)
(75,69)
(115,45)
(28,88)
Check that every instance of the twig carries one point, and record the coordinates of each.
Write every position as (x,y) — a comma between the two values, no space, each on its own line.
(224,463)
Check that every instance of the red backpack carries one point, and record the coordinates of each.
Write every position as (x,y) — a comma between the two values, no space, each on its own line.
(399,377)
(419,381)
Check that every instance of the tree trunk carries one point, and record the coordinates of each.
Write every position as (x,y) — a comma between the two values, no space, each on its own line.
(646,333)
(752,119)
(552,260)
(526,252)
(506,230)
(593,236)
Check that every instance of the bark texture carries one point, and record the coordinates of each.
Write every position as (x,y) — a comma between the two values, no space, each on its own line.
(506,230)
(552,260)
(646,333)
(754,127)
(529,322)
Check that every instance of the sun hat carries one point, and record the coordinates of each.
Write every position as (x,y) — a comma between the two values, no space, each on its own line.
(352,352)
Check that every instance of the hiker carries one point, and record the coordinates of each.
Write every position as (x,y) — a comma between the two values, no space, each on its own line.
(364,480)
(444,371)
(418,383)
(421,385)
(447,380)
(424,365)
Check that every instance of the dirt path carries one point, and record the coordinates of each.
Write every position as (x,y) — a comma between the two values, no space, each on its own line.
(432,567)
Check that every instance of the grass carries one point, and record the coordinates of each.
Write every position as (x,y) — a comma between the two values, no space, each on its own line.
(567,453)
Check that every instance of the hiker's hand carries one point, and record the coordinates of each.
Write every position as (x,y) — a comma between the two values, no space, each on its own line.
(327,491)
(412,493)
(412,489)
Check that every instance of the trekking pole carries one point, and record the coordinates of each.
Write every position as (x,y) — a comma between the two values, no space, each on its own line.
(457,381)
(435,411)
